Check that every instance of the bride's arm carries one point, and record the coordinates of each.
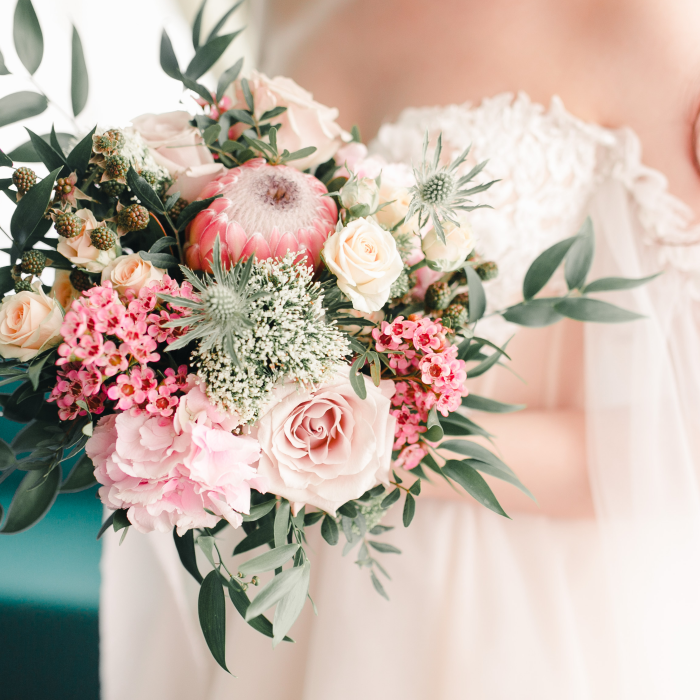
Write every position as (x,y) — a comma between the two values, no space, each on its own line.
(546,449)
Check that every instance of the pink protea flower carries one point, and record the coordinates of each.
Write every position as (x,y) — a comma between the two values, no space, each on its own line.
(265,211)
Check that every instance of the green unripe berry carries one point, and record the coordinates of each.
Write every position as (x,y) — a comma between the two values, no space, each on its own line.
(33,262)
(24,179)
(135,217)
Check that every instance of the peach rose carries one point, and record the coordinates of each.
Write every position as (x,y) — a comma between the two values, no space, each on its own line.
(29,322)
(79,249)
(305,123)
(365,259)
(131,272)
(178,147)
(63,291)
(326,447)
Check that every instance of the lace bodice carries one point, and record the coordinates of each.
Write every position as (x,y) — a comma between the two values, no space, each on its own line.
(550,165)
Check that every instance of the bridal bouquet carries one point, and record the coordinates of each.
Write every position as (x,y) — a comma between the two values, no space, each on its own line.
(251,323)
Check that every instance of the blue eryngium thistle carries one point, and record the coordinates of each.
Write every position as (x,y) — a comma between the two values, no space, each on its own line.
(222,311)
(438,193)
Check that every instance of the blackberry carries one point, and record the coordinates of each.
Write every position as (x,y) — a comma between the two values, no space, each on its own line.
(24,179)
(33,262)
(81,280)
(109,142)
(112,188)
(177,209)
(438,296)
(135,217)
(151,178)
(116,167)
(455,316)
(69,225)
(102,238)
(462,299)
(487,270)
(23,286)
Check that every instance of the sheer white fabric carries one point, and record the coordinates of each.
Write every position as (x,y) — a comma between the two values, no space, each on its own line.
(485,608)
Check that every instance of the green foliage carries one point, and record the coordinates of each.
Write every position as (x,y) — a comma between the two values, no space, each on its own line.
(535,313)
(477,295)
(186,552)
(27,36)
(260,510)
(241,602)
(329,530)
(274,591)
(481,403)
(34,497)
(544,266)
(81,476)
(21,105)
(26,153)
(49,156)
(80,83)
(3,71)
(473,483)
(612,284)
(583,309)
(580,256)
(212,616)
(270,560)
(409,508)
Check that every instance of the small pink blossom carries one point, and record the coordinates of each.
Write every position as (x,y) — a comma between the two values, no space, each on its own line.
(131,390)
(410,457)
(427,335)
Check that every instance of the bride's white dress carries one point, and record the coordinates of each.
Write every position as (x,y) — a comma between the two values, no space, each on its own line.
(481,607)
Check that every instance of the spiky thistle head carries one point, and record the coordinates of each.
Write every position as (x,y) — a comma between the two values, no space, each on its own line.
(222,310)
(439,193)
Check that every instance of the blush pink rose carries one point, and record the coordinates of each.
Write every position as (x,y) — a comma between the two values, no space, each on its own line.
(177,146)
(326,447)
(79,249)
(169,471)
(305,123)
(131,272)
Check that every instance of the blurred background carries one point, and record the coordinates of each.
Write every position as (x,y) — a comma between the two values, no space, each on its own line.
(49,575)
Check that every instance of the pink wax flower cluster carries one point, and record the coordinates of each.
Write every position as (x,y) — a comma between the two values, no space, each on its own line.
(418,349)
(183,470)
(108,343)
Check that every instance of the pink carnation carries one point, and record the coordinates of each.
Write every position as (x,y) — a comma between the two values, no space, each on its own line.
(168,471)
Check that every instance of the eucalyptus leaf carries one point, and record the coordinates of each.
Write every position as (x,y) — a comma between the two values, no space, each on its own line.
(301,153)
(21,105)
(80,83)
(329,530)
(160,260)
(212,616)
(391,498)
(535,313)
(211,134)
(240,600)
(263,535)
(106,525)
(168,59)
(274,591)
(26,153)
(227,77)
(383,547)
(81,477)
(5,161)
(219,25)
(378,585)
(162,244)
(585,309)
(291,605)
(197,25)
(487,468)
(191,210)
(613,284)
(349,510)
(3,71)
(409,509)
(27,36)
(7,456)
(270,560)
(32,500)
(580,256)
(260,510)
(357,379)
(208,54)
(481,403)
(435,431)
(477,296)
(474,484)
(186,552)
(544,266)
(282,523)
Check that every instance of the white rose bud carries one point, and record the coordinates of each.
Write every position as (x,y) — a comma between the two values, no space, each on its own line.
(452,254)
(364,258)
(362,190)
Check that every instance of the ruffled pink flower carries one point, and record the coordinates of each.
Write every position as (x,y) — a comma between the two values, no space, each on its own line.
(169,471)
(266,210)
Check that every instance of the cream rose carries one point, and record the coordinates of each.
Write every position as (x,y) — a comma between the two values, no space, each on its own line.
(29,322)
(63,291)
(394,193)
(326,447)
(452,254)
(79,249)
(178,147)
(305,123)
(131,272)
(364,258)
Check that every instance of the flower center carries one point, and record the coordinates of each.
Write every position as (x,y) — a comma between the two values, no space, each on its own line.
(222,303)
(279,191)
(437,188)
